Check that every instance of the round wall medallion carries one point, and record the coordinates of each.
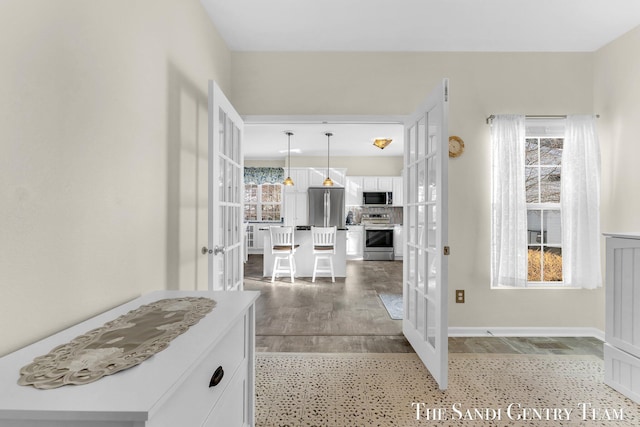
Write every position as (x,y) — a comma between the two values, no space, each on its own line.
(456,146)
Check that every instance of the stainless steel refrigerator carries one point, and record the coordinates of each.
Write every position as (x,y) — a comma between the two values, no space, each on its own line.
(326,206)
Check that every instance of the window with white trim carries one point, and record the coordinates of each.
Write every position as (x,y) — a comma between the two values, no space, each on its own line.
(545,202)
(543,174)
(262,202)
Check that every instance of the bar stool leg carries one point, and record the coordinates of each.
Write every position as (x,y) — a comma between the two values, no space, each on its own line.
(315,268)
(291,267)
(275,266)
(333,277)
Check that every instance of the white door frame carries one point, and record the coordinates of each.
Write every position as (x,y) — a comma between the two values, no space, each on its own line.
(441,377)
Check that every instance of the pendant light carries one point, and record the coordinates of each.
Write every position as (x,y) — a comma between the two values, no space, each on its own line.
(327,182)
(288,181)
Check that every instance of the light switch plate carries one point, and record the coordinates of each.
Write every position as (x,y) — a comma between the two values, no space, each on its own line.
(459,296)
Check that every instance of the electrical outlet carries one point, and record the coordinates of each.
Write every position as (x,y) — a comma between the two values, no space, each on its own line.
(460,296)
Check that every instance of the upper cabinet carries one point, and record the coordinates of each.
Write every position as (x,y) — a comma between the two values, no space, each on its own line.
(375,183)
(398,189)
(385,183)
(370,183)
(300,177)
(357,184)
(318,175)
(353,190)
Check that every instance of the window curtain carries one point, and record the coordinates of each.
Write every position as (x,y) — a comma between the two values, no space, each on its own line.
(509,209)
(263,175)
(580,202)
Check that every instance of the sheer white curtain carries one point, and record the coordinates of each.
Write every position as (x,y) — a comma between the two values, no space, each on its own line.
(580,202)
(509,210)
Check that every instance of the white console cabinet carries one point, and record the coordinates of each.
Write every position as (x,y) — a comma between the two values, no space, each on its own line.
(622,329)
(171,388)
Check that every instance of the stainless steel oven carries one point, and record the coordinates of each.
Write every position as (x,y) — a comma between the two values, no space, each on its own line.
(378,243)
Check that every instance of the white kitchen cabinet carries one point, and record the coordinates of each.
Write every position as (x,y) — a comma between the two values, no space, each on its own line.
(385,183)
(398,199)
(377,183)
(355,241)
(169,389)
(318,175)
(398,241)
(357,184)
(370,183)
(296,208)
(339,176)
(300,177)
(353,190)
(622,314)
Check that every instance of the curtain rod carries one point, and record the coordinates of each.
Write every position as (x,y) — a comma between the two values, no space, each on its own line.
(529,116)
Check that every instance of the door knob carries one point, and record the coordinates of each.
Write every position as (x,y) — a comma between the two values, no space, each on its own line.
(205,250)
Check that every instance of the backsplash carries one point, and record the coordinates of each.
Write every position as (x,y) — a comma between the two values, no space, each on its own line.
(395,213)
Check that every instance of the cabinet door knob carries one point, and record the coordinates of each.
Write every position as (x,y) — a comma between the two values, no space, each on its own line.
(217,377)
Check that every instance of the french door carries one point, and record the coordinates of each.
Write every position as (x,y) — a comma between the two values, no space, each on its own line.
(425,275)
(226,177)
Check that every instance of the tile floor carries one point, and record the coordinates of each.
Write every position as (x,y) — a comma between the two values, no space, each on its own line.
(348,317)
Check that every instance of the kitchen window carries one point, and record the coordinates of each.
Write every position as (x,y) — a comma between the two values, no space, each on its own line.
(262,202)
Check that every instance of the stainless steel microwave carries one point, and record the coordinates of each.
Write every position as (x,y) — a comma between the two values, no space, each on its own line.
(377,198)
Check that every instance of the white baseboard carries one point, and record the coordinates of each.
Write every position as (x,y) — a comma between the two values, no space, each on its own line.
(502,331)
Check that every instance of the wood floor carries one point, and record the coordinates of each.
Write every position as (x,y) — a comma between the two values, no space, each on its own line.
(347,316)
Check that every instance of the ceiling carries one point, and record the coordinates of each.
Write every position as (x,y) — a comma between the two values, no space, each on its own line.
(268,140)
(422,25)
(407,26)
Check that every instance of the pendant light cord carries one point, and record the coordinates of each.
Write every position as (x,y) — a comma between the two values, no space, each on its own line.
(289,151)
(329,135)
(327,182)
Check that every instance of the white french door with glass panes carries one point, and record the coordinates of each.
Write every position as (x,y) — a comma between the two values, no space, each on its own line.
(425,276)
(226,191)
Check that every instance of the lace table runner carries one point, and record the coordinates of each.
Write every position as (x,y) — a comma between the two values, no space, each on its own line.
(117,345)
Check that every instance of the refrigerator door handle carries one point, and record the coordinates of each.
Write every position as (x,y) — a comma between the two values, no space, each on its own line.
(327,208)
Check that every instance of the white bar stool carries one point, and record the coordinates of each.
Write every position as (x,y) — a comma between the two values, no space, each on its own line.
(283,249)
(324,247)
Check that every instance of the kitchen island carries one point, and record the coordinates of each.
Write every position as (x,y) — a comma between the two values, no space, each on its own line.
(304,254)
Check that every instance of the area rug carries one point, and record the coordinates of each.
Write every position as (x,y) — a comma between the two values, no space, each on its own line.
(394,389)
(393,304)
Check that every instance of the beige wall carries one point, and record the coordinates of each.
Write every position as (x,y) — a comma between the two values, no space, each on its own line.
(265,163)
(481,84)
(98,98)
(617,100)
(355,166)
(89,131)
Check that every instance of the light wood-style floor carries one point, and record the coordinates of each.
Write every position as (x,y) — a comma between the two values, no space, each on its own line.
(347,316)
